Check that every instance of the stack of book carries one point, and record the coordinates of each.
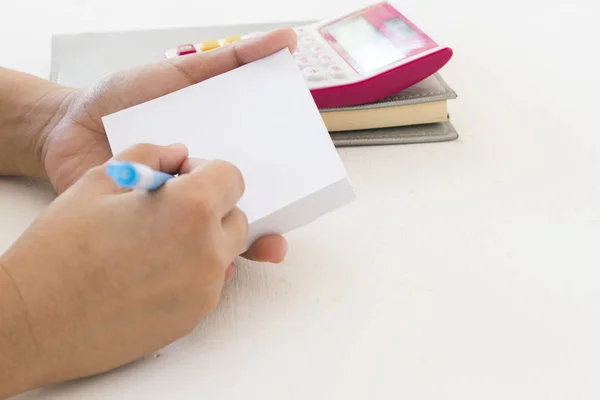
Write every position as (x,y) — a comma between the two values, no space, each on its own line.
(417,114)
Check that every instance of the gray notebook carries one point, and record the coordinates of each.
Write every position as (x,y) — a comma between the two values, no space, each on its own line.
(80,59)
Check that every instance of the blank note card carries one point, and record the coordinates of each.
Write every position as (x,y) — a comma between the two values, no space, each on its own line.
(262,118)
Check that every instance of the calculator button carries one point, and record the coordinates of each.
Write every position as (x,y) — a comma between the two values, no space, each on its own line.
(314,74)
(318,49)
(301,51)
(326,59)
(306,39)
(336,72)
(307,61)
(231,39)
(185,49)
(209,45)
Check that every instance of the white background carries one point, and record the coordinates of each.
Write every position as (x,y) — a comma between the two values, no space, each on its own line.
(464,270)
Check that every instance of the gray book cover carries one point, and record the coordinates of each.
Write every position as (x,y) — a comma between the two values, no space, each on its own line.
(80,59)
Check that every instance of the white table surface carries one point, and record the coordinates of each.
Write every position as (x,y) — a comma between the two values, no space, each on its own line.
(464,270)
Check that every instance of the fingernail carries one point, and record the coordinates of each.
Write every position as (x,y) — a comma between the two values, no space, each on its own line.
(229,272)
(178,146)
(286,247)
(281,257)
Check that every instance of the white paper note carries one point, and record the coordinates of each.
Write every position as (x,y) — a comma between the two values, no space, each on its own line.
(262,118)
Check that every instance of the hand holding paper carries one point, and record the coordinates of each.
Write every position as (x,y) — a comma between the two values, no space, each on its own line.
(261,118)
(154,265)
(78,141)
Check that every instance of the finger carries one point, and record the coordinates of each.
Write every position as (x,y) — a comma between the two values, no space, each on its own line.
(272,248)
(191,164)
(235,225)
(219,183)
(177,73)
(161,158)
(200,66)
(167,159)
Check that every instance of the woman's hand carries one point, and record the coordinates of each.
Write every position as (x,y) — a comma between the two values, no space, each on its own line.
(53,132)
(105,275)
(78,140)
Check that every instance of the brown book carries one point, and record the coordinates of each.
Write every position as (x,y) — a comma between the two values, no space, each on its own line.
(423,103)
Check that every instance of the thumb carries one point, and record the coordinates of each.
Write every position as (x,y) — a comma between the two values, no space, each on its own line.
(137,85)
(167,159)
(161,158)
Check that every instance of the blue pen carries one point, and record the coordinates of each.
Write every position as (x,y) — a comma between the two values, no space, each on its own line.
(132,175)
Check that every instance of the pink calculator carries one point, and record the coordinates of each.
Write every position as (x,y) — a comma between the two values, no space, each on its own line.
(358,58)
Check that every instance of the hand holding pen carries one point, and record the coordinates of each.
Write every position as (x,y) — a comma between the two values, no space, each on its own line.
(136,272)
(131,175)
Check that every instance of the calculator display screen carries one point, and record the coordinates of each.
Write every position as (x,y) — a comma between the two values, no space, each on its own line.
(375,38)
(365,44)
